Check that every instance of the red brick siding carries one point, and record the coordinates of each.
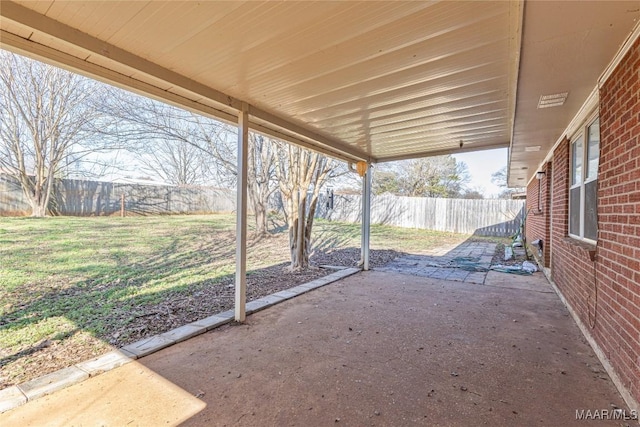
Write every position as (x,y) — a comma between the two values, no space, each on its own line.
(571,267)
(618,262)
(615,318)
(538,218)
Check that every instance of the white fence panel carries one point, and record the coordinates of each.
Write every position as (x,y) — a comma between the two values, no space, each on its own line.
(486,217)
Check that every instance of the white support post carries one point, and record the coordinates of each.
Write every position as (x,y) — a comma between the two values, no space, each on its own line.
(366,217)
(241,216)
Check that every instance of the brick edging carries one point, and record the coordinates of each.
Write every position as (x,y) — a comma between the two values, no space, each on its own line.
(17,395)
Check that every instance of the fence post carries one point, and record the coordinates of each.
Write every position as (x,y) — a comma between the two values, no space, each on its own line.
(122,205)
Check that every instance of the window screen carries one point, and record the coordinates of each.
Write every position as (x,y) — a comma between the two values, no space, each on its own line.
(593,150)
(576,161)
(583,174)
(590,210)
(574,211)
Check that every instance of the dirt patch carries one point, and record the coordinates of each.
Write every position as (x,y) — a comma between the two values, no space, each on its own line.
(147,320)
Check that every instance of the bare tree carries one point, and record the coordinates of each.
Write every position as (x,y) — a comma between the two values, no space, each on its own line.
(301,175)
(499,178)
(175,162)
(185,148)
(49,122)
(260,179)
(440,176)
(170,143)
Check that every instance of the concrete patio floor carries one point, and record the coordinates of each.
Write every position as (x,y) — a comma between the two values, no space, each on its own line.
(377,348)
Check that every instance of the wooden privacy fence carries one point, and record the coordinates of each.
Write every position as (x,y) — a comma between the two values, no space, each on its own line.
(484,217)
(94,198)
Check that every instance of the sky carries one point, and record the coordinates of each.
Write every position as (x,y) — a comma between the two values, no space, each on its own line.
(481,165)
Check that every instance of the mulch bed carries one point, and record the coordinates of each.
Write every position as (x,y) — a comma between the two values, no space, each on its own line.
(51,355)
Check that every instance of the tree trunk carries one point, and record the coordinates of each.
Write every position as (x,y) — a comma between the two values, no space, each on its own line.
(37,210)
(259,205)
(298,171)
(260,181)
(261,220)
(300,238)
(37,196)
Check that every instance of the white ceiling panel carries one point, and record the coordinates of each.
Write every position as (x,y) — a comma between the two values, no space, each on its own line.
(360,80)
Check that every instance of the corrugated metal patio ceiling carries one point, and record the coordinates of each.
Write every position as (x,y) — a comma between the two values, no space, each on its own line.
(359,80)
(386,79)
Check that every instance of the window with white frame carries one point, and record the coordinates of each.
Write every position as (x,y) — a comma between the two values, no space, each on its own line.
(585,154)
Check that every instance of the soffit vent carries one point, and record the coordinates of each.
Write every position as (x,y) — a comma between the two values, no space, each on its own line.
(553,100)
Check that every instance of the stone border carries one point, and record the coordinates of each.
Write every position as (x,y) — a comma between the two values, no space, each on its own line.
(14,396)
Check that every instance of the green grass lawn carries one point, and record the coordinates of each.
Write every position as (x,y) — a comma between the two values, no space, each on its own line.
(58,273)
(328,235)
(62,275)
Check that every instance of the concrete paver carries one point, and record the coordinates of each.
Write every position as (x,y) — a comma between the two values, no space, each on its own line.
(183,333)
(52,382)
(454,263)
(285,294)
(211,322)
(104,363)
(11,397)
(229,314)
(148,345)
(261,304)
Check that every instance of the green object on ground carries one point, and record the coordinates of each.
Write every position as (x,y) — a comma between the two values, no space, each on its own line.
(468,264)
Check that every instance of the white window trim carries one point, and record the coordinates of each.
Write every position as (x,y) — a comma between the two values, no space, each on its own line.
(583,131)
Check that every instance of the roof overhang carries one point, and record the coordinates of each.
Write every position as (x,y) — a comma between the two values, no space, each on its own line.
(374,81)
(565,49)
(358,80)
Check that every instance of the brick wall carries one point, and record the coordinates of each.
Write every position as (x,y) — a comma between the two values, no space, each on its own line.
(618,261)
(602,283)
(538,217)
(571,266)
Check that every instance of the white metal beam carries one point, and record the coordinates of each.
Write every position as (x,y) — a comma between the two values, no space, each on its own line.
(241,216)
(35,21)
(366,217)
(464,149)
(31,19)
(43,53)
(57,58)
(280,134)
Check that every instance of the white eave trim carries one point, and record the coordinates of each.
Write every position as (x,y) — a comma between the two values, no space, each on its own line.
(444,152)
(514,75)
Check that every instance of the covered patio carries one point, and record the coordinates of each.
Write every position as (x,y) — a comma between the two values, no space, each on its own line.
(376,348)
(367,82)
